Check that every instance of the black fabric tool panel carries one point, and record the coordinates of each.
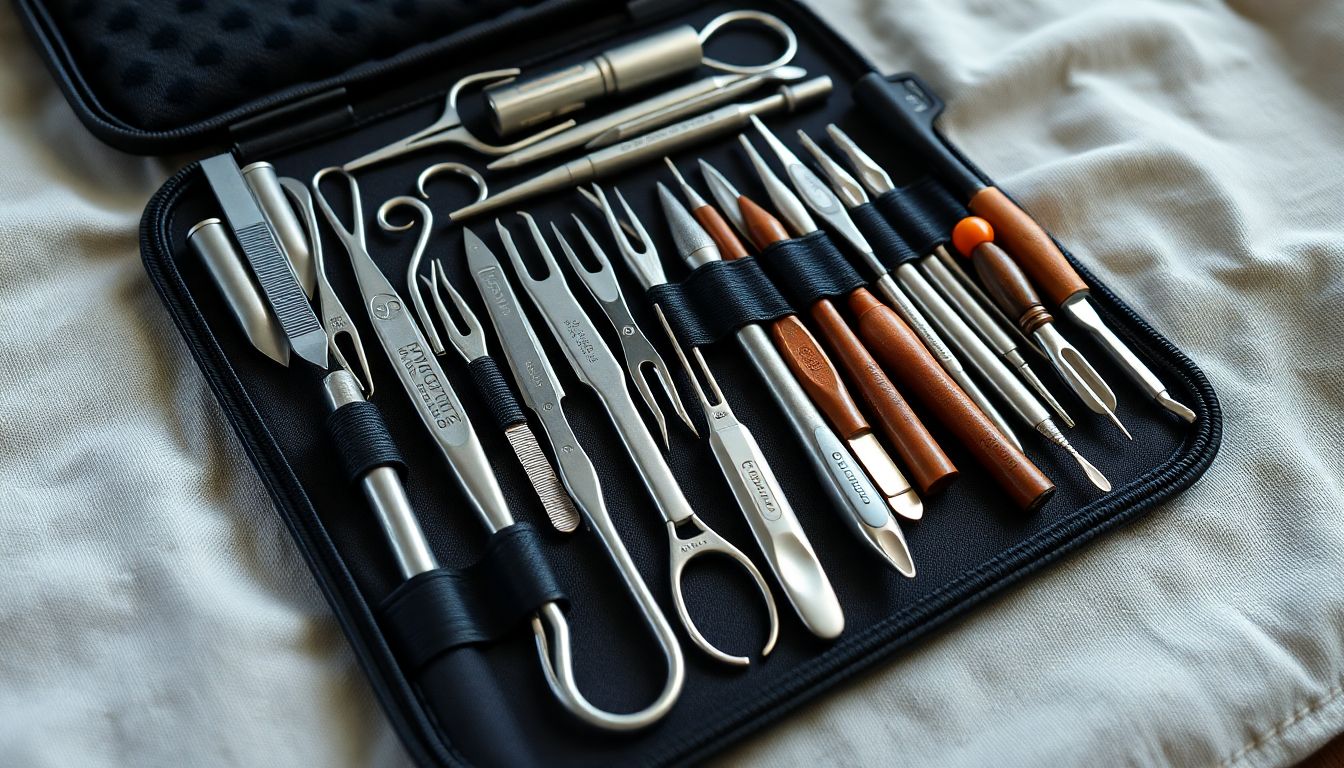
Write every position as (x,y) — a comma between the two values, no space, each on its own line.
(969,546)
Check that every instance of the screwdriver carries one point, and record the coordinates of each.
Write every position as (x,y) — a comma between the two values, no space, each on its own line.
(910,108)
(1019,398)
(877,182)
(906,357)
(974,237)
(928,464)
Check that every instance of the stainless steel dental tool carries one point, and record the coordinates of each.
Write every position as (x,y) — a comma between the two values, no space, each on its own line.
(449,426)
(275,276)
(485,372)
(596,366)
(336,321)
(650,59)
(768,512)
(651,146)
(865,509)
(649,114)
(829,208)
(449,129)
(542,393)
(211,242)
(852,194)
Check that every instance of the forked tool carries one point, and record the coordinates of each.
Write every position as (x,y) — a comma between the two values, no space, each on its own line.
(596,366)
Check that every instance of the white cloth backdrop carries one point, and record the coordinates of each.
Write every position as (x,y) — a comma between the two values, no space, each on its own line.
(154,611)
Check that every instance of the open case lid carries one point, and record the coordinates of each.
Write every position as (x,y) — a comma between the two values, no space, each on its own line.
(163,76)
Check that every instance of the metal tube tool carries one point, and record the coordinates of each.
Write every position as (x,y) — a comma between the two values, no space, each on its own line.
(650,59)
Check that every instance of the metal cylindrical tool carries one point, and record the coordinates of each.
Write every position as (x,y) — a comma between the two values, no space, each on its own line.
(265,186)
(930,466)
(649,146)
(534,99)
(909,108)
(384,491)
(210,239)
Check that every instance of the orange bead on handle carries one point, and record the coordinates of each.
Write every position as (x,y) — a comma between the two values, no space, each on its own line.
(1004,280)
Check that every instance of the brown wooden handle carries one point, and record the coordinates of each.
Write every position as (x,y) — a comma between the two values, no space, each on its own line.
(1021,236)
(929,467)
(720,232)
(904,356)
(1010,287)
(818,375)
(762,228)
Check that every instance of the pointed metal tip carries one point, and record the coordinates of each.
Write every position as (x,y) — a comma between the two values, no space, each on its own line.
(889,542)
(1116,421)
(1165,400)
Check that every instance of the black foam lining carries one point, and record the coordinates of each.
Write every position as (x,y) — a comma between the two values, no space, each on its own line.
(161,64)
(495,707)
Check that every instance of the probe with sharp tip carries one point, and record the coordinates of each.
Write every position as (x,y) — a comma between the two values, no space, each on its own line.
(876,181)
(826,205)
(871,520)
(931,469)
(910,108)
(762,500)
(651,146)
(974,237)
(890,340)
(800,221)
(813,368)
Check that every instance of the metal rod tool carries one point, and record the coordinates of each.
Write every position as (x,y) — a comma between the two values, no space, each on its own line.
(828,206)
(276,277)
(650,59)
(768,512)
(910,109)
(210,240)
(831,459)
(974,237)
(651,146)
(651,113)
(596,366)
(1004,345)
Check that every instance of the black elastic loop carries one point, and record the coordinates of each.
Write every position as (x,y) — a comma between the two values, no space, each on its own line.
(924,213)
(446,608)
(494,387)
(809,268)
(362,440)
(889,246)
(718,298)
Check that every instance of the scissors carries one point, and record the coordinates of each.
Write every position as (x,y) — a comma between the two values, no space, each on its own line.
(449,129)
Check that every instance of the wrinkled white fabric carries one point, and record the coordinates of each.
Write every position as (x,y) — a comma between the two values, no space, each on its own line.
(155,611)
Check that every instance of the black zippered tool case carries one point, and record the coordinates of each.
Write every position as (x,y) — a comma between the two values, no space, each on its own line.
(306,85)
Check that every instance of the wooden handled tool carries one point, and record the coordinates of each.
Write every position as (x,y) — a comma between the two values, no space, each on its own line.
(930,466)
(909,107)
(808,361)
(899,350)
(1013,292)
